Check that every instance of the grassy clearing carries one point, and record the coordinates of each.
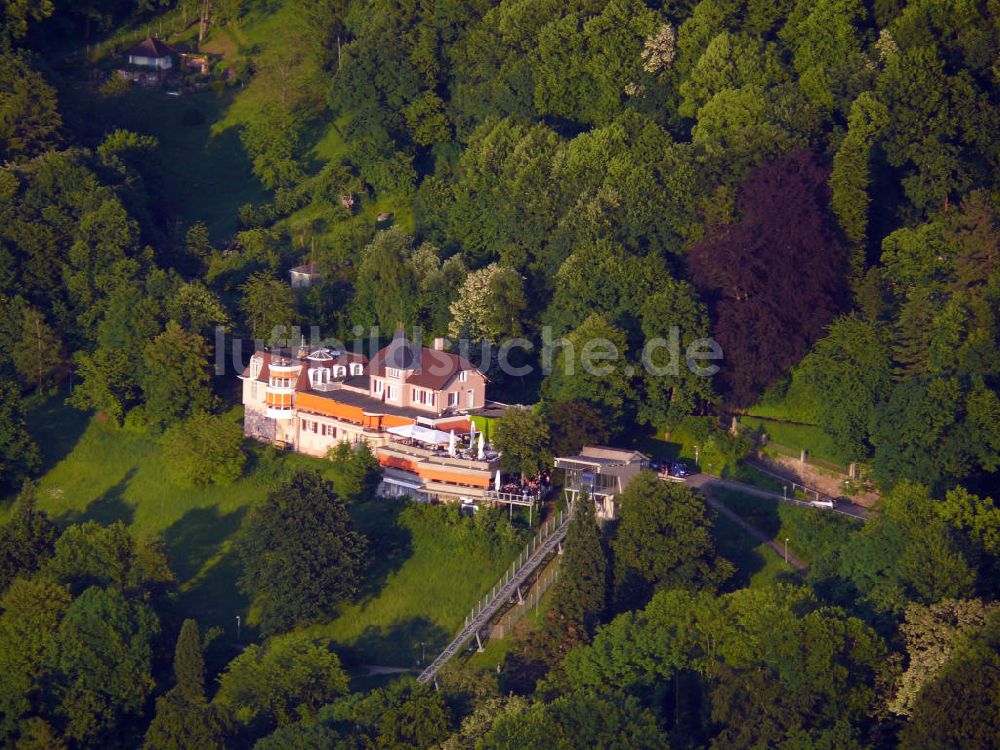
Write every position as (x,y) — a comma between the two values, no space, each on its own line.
(432,566)
(758,566)
(428,566)
(790,401)
(204,173)
(798,437)
(745,473)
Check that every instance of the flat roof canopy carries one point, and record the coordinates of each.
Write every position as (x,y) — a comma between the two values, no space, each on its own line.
(421,434)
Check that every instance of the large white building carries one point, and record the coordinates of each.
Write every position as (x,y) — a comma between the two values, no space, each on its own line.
(309,401)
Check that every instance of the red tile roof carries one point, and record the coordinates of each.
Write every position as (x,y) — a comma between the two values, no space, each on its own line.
(152,47)
(432,368)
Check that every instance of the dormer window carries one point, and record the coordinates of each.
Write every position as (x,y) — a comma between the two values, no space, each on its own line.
(339,371)
(319,376)
(391,373)
(357,368)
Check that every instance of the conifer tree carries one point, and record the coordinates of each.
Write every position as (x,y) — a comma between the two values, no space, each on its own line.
(580,595)
(189,662)
(184,719)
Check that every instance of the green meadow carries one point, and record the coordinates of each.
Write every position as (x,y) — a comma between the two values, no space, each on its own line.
(428,566)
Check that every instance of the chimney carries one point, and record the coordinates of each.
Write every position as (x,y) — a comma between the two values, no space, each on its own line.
(439,344)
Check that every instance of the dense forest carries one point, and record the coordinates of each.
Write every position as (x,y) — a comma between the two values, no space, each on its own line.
(812,183)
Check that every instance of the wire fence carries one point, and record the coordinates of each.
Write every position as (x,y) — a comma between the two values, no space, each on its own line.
(505,624)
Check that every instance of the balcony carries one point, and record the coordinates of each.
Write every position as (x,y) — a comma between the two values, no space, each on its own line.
(526,499)
(280,413)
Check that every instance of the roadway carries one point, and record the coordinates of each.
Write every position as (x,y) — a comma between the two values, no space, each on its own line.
(706,482)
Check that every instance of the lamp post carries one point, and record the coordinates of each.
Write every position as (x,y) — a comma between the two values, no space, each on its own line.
(786,550)
(237,628)
(422,656)
(697,453)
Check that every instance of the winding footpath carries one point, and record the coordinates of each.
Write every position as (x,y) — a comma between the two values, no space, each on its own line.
(755,532)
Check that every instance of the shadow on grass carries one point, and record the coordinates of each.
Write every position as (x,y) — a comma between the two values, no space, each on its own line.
(194,174)
(56,428)
(215,599)
(399,645)
(197,537)
(390,543)
(106,509)
(737,546)
(757,511)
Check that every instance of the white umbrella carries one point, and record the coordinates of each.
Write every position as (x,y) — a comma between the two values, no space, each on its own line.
(451,444)
(482,447)
(472,435)
(497,482)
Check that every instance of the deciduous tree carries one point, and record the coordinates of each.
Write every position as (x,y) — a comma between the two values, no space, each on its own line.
(19,457)
(284,681)
(105,661)
(850,372)
(489,306)
(776,277)
(301,556)
(27,539)
(267,305)
(663,541)
(522,437)
(175,380)
(204,449)
(574,425)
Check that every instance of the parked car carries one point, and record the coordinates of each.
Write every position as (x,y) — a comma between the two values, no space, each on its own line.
(679,469)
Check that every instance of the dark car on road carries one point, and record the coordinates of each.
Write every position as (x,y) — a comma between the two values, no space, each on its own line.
(679,469)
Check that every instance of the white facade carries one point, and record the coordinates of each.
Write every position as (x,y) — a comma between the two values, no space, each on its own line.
(159,63)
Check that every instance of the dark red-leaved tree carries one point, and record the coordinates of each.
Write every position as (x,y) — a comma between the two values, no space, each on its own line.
(775,278)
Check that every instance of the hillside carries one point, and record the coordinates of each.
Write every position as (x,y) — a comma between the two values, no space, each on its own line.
(753,240)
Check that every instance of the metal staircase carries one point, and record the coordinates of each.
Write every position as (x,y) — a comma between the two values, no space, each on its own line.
(508,590)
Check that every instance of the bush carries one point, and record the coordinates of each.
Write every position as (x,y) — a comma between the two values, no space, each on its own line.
(114,86)
(718,451)
(204,449)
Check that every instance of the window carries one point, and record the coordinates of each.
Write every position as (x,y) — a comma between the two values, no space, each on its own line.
(339,371)
(472,399)
(378,387)
(463,376)
(255,364)
(281,382)
(392,392)
(329,431)
(319,376)
(424,397)
(453,399)
(391,373)
(357,368)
